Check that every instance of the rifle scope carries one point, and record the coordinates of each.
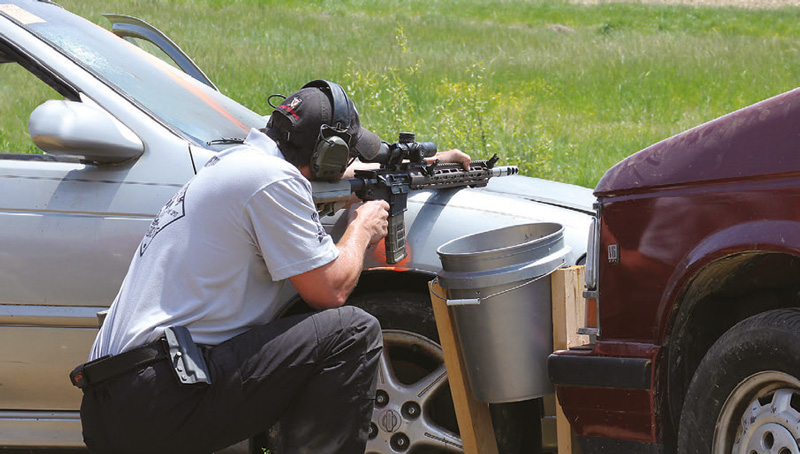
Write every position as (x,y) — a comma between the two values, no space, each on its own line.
(405,148)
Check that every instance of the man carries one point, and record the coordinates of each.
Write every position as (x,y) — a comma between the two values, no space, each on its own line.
(189,359)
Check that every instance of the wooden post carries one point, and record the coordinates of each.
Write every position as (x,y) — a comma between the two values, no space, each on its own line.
(474,419)
(569,307)
(569,314)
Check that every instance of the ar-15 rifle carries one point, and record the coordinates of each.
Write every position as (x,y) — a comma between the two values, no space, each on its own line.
(402,169)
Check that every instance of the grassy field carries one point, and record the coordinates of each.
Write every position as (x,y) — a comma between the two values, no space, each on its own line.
(562,89)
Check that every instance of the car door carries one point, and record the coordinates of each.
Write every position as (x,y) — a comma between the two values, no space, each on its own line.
(69,229)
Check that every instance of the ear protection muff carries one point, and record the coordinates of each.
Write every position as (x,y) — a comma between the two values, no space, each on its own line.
(332,148)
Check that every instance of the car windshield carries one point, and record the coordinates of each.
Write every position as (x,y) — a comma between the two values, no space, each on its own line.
(188,106)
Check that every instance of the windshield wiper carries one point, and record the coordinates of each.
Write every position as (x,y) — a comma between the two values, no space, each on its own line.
(224,141)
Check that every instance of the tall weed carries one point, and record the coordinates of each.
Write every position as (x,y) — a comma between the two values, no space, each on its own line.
(467,114)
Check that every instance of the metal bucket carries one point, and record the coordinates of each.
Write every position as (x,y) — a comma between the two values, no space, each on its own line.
(499,288)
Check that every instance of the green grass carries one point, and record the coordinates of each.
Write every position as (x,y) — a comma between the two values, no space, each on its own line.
(563,90)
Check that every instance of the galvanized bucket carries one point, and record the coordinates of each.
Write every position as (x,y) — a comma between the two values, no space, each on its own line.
(498,285)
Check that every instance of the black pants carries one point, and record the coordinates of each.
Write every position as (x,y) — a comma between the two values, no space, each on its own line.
(314,373)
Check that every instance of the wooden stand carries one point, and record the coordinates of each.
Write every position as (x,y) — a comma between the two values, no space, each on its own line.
(569,314)
(474,420)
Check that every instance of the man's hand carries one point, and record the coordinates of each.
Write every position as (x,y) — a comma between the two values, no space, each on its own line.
(372,217)
(452,156)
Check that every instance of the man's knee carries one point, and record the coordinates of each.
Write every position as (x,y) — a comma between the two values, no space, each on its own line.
(353,323)
(362,322)
(372,331)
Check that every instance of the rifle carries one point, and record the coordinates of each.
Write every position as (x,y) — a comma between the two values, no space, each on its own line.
(403,169)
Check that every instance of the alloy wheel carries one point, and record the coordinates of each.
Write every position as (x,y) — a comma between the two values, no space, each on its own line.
(412,391)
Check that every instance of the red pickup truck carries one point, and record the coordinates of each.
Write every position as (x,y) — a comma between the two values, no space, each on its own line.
(694,265)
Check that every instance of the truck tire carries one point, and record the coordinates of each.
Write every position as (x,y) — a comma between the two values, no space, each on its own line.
(745,394)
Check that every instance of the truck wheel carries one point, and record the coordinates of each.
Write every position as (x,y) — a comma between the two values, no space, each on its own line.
(745,395)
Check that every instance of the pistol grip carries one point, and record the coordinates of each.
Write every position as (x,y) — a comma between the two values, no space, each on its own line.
(395,240)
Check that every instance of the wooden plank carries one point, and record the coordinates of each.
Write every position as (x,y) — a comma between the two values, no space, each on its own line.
(569,307)
(563,431)
(569,314)
(474,419)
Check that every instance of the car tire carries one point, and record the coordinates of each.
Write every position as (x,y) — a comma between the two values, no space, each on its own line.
(411,343)
(745,394)
(412,358)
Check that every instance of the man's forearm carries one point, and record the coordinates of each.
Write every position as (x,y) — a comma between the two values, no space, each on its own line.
(352,247)
(358,165)
(330,285)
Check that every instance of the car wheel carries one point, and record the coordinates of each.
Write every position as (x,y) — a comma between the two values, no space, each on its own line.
(745,395)
(414,410)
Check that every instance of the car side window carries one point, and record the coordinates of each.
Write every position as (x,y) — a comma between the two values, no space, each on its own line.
(20,93)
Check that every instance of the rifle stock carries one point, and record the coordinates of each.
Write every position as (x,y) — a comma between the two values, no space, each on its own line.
(330,197)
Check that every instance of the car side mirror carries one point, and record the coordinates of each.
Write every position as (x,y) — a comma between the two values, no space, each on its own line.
(81,130)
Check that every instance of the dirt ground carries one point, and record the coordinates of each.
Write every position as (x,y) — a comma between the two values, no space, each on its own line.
(758,4)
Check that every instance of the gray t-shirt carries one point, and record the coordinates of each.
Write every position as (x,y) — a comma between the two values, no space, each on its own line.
(217,256)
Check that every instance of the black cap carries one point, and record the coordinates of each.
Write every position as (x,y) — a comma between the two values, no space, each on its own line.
(295,124)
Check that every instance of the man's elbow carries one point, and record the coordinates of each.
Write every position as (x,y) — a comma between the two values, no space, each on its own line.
(329,300)
(325,287)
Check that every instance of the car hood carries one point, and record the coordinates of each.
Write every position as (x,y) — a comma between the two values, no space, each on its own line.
(544,191)
(758,140)
(437,216)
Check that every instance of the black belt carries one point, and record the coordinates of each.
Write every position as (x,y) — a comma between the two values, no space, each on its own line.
(107,367)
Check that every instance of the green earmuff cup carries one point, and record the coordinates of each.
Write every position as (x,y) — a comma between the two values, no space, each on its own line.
(330,159)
